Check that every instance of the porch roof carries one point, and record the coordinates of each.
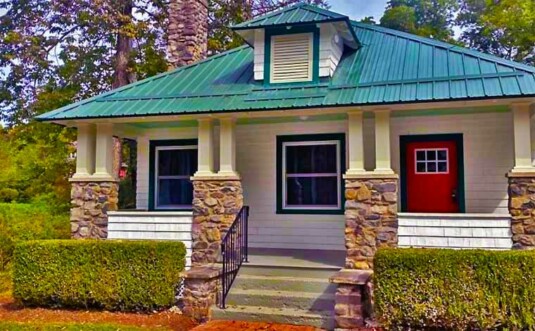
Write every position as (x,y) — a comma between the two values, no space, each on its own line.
(390,67)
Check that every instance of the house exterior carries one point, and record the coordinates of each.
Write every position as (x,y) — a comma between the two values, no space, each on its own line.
(340,136)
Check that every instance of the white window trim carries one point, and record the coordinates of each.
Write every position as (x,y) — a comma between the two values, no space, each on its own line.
(338,175)
(425,150)
(156,177)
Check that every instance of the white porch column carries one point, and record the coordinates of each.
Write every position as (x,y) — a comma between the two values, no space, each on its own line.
(356,143)
(382,142)
(85,151)
(522,137)
(206,143)
(104,152)
(227,154)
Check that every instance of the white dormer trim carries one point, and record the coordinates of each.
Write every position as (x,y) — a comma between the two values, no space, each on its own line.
(331,50)
(259,53)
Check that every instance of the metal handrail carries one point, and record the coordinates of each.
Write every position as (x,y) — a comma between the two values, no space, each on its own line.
(234,251)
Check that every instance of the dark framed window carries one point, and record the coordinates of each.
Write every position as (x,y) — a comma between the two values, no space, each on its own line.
(309,174)
(172,163)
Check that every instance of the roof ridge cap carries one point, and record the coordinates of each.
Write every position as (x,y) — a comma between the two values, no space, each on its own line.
(144,81)
(445,45)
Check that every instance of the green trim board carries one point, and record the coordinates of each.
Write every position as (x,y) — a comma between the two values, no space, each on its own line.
(153,144)
(341,137)
(288,31)
(457,138)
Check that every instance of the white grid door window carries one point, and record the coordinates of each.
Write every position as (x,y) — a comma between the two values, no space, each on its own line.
(431,161)
(311,175)
(173,169)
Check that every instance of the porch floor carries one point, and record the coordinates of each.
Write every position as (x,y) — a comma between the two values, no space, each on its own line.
(300,258)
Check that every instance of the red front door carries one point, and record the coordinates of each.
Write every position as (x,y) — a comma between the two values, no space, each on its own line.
(432,177)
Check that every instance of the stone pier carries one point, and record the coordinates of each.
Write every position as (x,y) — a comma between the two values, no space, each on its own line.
(522,209)
(91,201)
(216,203)
(371,217)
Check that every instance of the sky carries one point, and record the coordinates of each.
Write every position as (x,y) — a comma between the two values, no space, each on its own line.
(358,9)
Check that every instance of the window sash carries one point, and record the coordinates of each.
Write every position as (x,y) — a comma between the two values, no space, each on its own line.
(427,161)
(157,178)
(337,175)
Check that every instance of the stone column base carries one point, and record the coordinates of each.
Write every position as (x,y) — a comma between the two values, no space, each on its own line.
(201,285)
(91,201)
(352,304)
(371,217)
(216,203)
(522,209)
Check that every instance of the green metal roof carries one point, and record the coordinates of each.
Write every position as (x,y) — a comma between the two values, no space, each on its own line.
(301,13)
(391,67)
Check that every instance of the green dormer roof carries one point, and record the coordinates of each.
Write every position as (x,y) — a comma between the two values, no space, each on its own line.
(391,67)
(302,14)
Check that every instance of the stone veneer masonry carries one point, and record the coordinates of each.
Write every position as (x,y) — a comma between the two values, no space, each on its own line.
(187,31)
(522,209)
(216,202)
(371,218)
(91,202)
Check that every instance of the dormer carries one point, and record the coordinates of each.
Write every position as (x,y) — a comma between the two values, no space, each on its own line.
(297,44)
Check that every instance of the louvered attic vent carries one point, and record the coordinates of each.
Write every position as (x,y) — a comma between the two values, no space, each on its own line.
(291,58)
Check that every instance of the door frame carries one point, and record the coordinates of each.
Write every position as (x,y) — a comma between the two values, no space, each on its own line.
(455,137)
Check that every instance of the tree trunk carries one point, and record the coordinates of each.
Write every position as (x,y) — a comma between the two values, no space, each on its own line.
(122,75)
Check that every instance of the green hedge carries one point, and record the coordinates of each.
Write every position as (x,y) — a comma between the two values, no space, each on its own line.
(456,290)
(104,274)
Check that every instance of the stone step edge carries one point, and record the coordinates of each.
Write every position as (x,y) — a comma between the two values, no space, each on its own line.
(294,294)
(289,266)
(283,278)
(277,311)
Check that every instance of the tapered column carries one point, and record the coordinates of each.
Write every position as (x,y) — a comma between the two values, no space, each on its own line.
(206,143)
(521,179)
(104,152)
(217,198)
(356,143)
(85,151)
(522,137)
(95,191)
(382,142)
(227,154)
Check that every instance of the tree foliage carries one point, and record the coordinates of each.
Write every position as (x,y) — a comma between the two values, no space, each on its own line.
(428,18)
(70,46)
(504,28)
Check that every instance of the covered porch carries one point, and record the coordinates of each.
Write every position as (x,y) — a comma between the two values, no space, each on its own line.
(247,152)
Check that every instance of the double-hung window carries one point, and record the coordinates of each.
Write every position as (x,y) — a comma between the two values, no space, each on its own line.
(310,173)
(172,167)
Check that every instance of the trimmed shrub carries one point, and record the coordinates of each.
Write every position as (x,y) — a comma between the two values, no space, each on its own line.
(8,194)
(455,290)
(103,274)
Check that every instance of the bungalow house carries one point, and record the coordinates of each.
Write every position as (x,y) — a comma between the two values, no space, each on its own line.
(341,137)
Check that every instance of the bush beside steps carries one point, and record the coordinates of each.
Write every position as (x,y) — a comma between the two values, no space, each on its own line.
(455,290)
(103,274)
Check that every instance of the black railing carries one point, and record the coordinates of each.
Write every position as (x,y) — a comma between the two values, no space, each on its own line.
(234,252)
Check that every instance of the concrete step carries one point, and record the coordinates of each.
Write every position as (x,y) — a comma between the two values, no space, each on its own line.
(282,299)
(280,283)
(323,319)
(288,271)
